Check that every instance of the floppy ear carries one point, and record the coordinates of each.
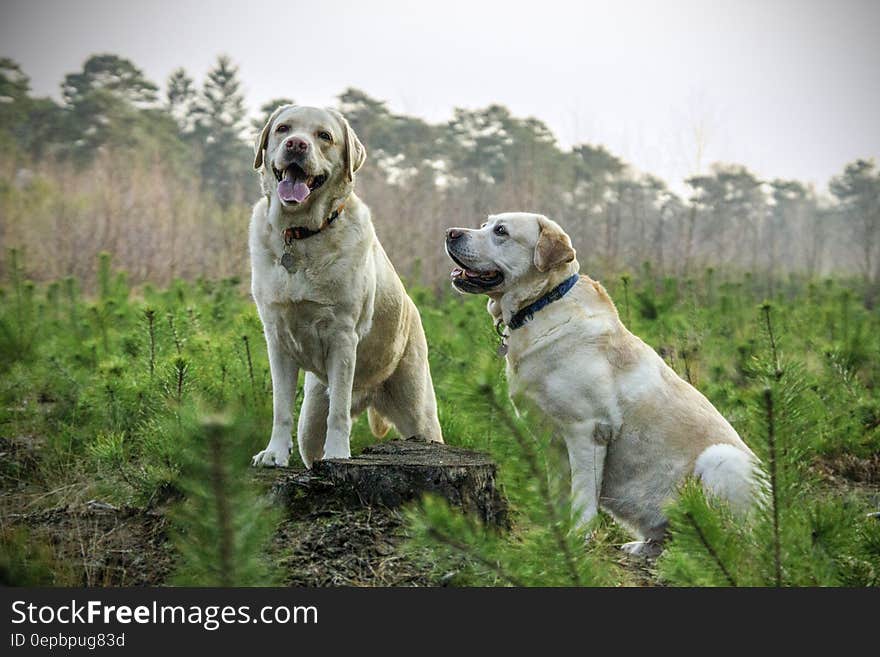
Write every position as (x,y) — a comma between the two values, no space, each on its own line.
(263,139)
(553,247)
(355,153)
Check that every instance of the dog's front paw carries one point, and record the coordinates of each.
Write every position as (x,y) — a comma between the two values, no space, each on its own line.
(271,457)
(643,549)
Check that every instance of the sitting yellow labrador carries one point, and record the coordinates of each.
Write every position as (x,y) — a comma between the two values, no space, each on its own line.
(633,428)
(329,298)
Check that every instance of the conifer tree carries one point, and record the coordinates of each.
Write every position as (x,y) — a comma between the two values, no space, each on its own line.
(224,524)
(220,125)
(181,96)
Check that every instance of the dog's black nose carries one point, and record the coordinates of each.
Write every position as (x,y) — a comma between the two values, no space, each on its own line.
(297,144)
(453,234)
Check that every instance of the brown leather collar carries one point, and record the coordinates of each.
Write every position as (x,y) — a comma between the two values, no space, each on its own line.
(292,233)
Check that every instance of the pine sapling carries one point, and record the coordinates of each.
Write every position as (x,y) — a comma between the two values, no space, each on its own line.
(250,365)
(181,366)
(70,291)
(150,315)
(540,476)
(177,341)
(219,487)
(777,370)
(16,273)
(774,483)
(710,549)
(224,525)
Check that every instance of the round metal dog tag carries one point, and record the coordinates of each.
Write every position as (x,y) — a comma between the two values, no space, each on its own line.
(287,262)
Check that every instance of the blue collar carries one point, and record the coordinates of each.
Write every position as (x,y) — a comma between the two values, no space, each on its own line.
(525,314)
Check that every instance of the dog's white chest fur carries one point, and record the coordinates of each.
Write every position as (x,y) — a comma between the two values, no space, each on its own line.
(298,328)
(274,284)
(302,308)
(560,370)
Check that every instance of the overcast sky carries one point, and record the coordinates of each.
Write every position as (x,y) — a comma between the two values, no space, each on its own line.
(790,88)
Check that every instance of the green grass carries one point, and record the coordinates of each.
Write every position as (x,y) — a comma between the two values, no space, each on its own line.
(107,386)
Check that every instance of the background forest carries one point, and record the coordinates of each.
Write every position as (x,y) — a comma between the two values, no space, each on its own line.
(164,183)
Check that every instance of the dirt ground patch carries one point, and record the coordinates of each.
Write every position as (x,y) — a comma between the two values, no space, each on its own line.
(320,543)
(856,469)
(77,544)
(98,546)
(327,543)
(325,539)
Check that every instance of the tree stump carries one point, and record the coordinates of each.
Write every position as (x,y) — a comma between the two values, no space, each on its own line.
(393,473)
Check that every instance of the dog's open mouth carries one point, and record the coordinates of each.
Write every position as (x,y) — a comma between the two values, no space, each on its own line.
(471,280)
(294,185)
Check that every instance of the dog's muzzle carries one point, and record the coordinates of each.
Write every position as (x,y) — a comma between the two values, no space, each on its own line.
(468,278)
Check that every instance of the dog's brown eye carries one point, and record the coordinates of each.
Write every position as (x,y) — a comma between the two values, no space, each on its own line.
(500,230)
(323,134)
(282,128)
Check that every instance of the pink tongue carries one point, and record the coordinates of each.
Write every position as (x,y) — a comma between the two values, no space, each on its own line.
(289,190)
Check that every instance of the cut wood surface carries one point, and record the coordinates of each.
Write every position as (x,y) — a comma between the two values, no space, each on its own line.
(399,471)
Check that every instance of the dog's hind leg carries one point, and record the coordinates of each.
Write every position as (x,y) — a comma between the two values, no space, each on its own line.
(407,399)
(378,425)
(428,405)
(312,427)
(726,472)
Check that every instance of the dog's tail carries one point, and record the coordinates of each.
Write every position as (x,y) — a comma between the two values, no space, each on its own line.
(730,473)
(379,426)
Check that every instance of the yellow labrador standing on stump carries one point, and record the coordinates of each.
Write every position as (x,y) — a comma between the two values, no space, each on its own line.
(633,429)
(329,298)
